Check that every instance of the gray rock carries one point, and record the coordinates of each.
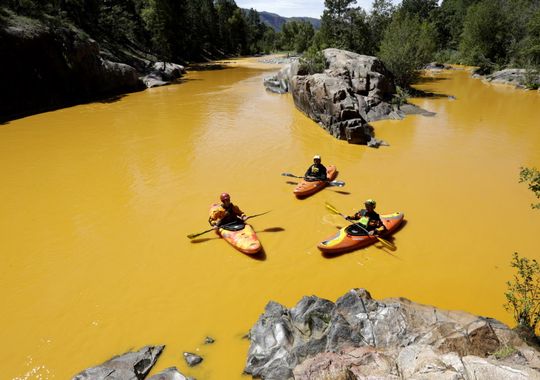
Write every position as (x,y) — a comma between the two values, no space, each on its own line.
(128,366)
(162,73)
(192,359)
(358,337)
(351,92)
(171,373)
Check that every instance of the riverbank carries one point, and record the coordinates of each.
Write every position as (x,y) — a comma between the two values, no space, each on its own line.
(52,66)
(358,337)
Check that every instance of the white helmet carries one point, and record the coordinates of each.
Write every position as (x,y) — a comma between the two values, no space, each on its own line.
(316,157)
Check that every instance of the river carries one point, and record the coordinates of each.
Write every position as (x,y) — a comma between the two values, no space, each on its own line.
(97,200)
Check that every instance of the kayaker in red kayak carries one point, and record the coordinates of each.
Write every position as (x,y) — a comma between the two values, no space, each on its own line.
(225,213)
(317,171)
(369,218)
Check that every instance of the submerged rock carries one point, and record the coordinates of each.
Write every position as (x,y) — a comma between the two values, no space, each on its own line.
(359,337)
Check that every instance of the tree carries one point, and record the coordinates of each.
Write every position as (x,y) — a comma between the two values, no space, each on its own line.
(419,8)
(485,39)
(378,20)
(334,23)
(407,46)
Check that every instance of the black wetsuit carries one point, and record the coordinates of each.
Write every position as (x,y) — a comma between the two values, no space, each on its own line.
(316,172)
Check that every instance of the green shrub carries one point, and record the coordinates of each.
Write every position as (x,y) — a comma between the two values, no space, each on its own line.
(532,177)
(312,62)
(523,294)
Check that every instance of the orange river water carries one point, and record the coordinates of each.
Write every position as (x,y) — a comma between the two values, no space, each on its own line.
(97,200)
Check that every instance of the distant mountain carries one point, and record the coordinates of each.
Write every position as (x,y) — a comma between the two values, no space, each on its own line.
(277,21)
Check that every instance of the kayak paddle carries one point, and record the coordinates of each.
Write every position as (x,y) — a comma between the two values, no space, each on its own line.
(384,242)
(191,236)
(331,183)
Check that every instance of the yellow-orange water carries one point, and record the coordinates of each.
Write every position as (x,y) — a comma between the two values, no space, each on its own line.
(97,200)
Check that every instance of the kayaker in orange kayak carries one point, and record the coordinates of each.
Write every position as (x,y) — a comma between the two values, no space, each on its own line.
(317,171)
(369,218)
(225,213)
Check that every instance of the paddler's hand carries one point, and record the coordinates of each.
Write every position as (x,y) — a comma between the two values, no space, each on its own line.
(243,217)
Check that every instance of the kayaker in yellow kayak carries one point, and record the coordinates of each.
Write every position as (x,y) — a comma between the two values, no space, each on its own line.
(369,218)
(225,212)
(317,171)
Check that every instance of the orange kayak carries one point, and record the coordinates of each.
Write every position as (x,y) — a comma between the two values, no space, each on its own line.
(353,237)
(242,237)
(307,188)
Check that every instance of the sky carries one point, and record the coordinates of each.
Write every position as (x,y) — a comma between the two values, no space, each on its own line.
(296,8)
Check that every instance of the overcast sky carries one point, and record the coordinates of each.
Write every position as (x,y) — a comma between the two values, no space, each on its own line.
(295,8)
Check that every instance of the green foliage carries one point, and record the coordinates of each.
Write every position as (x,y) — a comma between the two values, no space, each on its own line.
(418,8)
(312,62)
(378,20)
(407,46)
(523,294)
(400,97)
(532,177)
(504,351)
(447,56)
(345,27)
(486,38)
(297,35)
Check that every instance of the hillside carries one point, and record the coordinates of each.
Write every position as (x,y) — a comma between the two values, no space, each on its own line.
(276,21)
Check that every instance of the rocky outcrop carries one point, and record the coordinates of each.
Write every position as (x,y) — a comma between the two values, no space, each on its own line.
(353,90)
(129,366)
(49,67)
(518,77)
(359,338)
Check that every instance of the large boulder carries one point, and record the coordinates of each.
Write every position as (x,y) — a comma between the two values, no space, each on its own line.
(353,90)
(47,67)
(359,337)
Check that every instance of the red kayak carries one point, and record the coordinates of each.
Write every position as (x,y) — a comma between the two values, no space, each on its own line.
(307,188)
(353,237)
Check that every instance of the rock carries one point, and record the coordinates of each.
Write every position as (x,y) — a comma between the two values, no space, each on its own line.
(55,67)
(209,340)
(192,359)
(352,91)
(162,73)
(128,366)
(516,77)
(436,66)
(358,337)
(171,373)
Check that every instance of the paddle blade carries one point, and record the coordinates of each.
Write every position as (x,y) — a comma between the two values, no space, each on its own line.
(332,208)
(387,244)
(192,236)
(289,175)
(336,183)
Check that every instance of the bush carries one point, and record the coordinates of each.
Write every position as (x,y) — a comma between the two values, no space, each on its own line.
(407,46)
(312,62)
(523,294)
(400,97)
(532,177)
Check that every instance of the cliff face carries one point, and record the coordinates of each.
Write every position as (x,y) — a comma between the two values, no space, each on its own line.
(358,337)
(45,68)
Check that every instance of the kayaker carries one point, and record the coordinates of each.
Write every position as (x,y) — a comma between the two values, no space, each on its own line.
(317,171)
(368,218)
(225,213)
